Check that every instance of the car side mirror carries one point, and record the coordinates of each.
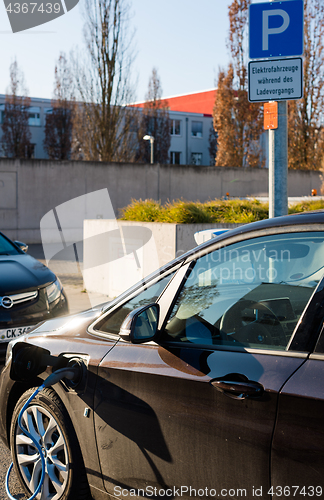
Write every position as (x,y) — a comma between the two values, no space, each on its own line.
(141,324)
(21,245)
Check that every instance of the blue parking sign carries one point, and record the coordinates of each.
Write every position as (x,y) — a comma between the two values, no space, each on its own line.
(276,29)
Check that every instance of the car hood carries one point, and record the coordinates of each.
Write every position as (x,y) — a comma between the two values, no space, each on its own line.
(65,323)
(71,325)
(66,334)
(20,273)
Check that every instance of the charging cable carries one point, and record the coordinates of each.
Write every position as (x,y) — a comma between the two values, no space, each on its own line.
(70,373)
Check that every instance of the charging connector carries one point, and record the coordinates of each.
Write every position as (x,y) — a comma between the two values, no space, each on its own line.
(28,362)
(72,374)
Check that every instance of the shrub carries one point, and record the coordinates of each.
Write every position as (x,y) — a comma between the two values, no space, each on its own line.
(222,211)
(144,211)
(307,206)
(184,212)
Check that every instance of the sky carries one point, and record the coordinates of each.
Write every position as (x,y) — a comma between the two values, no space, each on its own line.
(184,40)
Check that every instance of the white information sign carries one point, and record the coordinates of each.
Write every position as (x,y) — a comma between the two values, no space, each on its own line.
(276,80)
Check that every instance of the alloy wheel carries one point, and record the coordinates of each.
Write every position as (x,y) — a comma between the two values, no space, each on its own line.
(43,426)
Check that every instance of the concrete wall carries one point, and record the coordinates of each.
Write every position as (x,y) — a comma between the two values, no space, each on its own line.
(29,189)
(114,260)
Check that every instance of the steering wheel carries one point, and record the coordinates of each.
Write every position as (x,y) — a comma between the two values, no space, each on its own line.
(259,330)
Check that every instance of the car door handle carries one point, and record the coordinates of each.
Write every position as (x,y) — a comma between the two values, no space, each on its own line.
(238,389)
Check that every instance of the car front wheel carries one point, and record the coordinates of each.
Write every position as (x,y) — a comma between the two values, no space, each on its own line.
(46,419)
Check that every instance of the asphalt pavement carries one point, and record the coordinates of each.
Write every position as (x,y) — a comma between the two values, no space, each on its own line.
(14,485)
(79,298)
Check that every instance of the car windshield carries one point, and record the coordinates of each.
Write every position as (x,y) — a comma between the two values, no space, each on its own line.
(6,247)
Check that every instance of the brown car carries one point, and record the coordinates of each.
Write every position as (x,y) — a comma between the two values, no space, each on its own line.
(206,380)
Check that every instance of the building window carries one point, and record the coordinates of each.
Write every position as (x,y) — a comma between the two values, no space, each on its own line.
(34,116)
(196,158)
(175,157)
(48,111)
(175,127)
(30,151)
(2,149)
(196,129)
(2,108)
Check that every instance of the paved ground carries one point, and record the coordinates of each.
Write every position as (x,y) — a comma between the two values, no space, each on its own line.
(14,485)
(78,297)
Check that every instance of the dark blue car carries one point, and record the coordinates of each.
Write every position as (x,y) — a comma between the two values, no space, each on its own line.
(29,292)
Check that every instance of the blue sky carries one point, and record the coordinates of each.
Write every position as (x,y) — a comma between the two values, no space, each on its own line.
(184,39)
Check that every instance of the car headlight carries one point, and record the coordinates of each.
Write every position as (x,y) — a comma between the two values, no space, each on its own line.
(54,290)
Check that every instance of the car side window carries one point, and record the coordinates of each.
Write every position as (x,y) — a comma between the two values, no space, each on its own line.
(112,322)
(6,247)
(248,294)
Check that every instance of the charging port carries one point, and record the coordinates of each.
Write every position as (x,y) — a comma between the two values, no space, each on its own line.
(81,369)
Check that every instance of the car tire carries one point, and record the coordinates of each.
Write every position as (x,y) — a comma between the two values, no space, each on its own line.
(47,418)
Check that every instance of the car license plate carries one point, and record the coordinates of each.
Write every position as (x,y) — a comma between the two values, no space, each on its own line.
(12,333)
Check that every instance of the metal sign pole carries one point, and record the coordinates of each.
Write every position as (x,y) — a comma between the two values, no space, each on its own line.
(271,135)
(278,164)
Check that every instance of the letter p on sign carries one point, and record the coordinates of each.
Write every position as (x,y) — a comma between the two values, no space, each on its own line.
(276,29)
(266,30)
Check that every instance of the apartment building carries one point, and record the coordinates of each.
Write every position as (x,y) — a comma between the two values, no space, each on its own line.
(37,118)
(191,121)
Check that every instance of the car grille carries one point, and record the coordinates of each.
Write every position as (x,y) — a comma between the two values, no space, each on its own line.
(8,301)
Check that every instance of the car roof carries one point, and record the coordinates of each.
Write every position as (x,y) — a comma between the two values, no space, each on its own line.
(302,218)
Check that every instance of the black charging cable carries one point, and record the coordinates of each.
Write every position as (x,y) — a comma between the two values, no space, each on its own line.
(72,373)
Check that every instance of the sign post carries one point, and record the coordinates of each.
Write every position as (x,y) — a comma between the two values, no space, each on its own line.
(276,33)
(278,164)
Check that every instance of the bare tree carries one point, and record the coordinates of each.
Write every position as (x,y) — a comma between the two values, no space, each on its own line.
(305,116)
(156,122)
(103,128)
(16,134)
(58,125)
(238,122)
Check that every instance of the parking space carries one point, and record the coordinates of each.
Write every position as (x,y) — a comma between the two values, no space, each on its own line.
(79,298)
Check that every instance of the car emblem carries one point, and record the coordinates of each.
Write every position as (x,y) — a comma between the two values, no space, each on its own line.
(6,302)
